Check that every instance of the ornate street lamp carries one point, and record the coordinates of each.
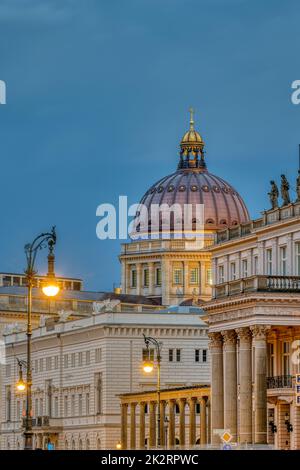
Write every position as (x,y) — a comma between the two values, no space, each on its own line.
(50,288)
(148,367)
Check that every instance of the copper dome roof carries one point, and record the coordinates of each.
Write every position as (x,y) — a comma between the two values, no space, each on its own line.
(193,184)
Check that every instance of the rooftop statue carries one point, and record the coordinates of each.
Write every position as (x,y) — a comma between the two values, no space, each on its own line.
(285,191)
(298,186)
(273,194)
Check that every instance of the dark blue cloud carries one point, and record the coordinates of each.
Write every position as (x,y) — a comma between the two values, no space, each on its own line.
(97,99)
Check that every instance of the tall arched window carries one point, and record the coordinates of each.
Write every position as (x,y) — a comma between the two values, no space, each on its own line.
(66,445)
(98,443)
(73,445)
(87,444)
(80,444)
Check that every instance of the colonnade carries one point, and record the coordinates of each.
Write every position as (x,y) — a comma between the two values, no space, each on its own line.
(184,430)
(239,383)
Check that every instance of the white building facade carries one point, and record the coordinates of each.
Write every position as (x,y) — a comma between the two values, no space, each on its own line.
(81,367)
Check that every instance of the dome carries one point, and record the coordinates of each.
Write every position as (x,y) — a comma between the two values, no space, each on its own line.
(193,184)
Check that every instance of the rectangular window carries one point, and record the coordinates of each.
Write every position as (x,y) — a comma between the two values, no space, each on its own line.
(8,402)
(197,355)
(297,254)
(146,277)
(72,405)
(171,355)
(244,268)
(158,276)
(178,355)
(73,360)
(48,363)
(66,407)
(36,366)
(269,261)
(56,362)
(56,407)
(220,274)
(98,355)
(133,278)
(87,358)
(41,365)
(98,394)
(209,277)
(194,276)
(282,253)
(7,370)
(18,412)
(36,407)
(286,358)
(232,271)
(177,276)
(87,404)
(66,361)
(255,265)
(80,404)
(148,354)
(80,359)
(204,355)
(41,407)
(271,359)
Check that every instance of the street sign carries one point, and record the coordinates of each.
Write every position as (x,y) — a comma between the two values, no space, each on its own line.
(226,437)
(227,447)
(297,389)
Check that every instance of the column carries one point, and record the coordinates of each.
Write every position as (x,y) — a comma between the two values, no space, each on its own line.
(165,281)
(208,421)
(217,394)
(245,375)
(151,278)
(182,422)
(185,277)
(124,408)
(230,382)
(152,430)
(260,383)
(203,440)
(162,422)
(192,422)
(142,425)
(171,423)
(138,278)
(132,426)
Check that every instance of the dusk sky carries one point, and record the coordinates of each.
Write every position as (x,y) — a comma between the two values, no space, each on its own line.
(98,94)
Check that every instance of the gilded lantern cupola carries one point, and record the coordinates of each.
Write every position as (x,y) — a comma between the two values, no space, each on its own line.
(191,148)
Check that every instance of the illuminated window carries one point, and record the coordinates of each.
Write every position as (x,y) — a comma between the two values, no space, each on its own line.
(177,276)
(194,276)
(221,274)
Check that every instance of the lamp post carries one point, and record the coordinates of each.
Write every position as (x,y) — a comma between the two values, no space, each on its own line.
(50,289)
(148,367)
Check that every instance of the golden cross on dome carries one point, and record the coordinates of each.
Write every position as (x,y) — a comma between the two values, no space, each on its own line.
(191,110)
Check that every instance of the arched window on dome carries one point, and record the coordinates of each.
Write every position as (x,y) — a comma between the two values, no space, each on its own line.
(234,222)
(210,221)
(223,222)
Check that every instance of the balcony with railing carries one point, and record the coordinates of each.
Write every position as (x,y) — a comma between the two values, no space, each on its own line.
(258,283)
(280,381)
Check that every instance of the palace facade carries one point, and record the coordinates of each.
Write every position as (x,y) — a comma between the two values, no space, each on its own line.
(254,329)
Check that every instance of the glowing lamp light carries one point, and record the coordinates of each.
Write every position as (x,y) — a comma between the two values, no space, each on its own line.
(148,367)
(21,385)
(51,289)
(119,446)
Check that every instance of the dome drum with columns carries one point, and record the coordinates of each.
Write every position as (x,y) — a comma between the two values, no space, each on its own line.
(176,271)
